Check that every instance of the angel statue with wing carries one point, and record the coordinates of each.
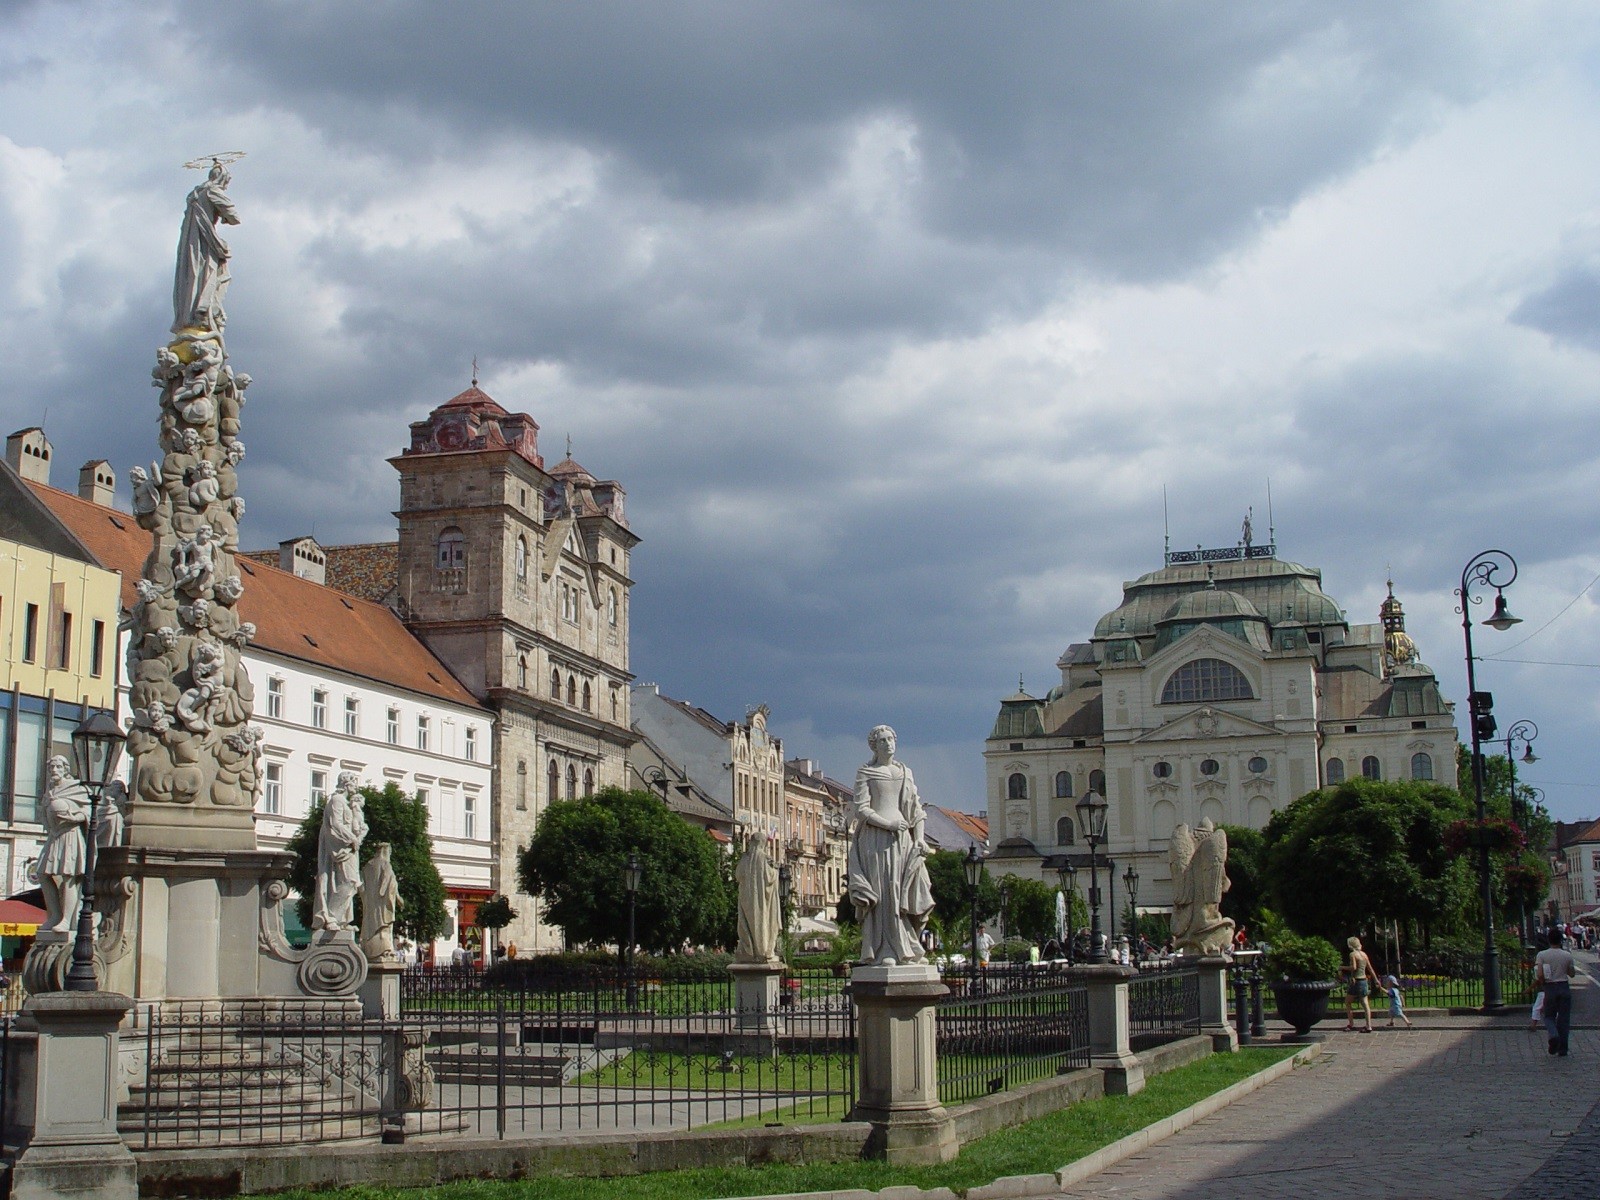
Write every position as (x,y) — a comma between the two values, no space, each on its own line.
(1198,858)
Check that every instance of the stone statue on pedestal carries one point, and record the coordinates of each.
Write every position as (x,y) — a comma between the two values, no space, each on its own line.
(1198,859)
(760,907)
(380,900)
(63,857)
(344,825)
(888,877)
(202,277)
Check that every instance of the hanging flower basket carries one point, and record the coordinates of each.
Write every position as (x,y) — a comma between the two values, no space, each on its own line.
(1496,833)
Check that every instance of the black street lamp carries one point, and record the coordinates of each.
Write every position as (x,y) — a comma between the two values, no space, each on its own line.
(1092,820)
(1524,732)
(1496,569)
(632,873)
(1069,888)
(96,748)
(973,865)
(1130,880)
(785,883)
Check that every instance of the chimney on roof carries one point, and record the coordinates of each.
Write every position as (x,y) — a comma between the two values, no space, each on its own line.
(28,452)
(303,557)
(97,482)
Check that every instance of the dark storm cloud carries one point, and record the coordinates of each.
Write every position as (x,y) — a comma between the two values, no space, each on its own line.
(1568,310)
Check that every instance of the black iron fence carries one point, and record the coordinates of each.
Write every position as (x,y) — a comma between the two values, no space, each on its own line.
(1453,978)
(502,1057)
(1001,1027)
(1163,1002)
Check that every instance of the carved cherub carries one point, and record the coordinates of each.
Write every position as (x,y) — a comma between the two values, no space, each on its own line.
(146,491)
(244,635)
(195,565)
(167,367)
(194,709)
(229,590)
(203,486)
(196,615)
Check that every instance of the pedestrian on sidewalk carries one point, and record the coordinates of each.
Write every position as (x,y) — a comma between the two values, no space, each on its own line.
(1553,970)
(1397,1007)
(1359,978)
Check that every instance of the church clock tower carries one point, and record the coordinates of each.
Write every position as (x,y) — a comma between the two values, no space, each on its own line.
(517,577)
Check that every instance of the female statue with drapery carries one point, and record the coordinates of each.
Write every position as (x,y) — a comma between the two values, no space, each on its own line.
(888,876)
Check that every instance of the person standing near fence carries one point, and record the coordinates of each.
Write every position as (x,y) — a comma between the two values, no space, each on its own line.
(1359,978)
(1553,970)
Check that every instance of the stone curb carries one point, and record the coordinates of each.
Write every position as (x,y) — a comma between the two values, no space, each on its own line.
(1017,1187)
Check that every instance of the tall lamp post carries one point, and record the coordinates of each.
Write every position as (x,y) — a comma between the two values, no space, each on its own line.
(973,865)
(1524,732)
(632,873)
(785,883)
(1069,885)
(1130,880)
(96,749)
(1092,820)
(1496,569)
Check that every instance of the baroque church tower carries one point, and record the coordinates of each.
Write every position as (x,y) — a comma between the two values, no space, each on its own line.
(516,576)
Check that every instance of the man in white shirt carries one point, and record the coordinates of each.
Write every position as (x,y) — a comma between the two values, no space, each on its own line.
(985,945)
(1553,970)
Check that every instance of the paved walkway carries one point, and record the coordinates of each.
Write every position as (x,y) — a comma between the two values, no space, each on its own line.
(1454,1109)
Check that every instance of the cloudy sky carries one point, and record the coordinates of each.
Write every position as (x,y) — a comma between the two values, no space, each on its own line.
(893,319)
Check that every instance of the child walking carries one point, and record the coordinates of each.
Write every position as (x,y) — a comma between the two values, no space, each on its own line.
(1396,1008)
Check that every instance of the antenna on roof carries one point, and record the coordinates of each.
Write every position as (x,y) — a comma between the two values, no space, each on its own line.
(1272,530)
(1166,528)
(474,370)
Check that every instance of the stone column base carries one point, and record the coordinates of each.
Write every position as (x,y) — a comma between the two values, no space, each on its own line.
(899,1079)
(380,990)
(1214,1022)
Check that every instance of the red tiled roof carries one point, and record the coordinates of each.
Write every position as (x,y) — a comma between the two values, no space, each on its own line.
(471,397)
(294,617)
(977,827)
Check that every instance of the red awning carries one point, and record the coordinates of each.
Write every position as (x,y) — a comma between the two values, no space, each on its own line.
(18,919)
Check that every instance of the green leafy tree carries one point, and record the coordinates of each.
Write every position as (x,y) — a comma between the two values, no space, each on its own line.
(1338,858)
(402,821)
(1243,899)
(1030,910)
(494,915)
(952,900)
(575,863)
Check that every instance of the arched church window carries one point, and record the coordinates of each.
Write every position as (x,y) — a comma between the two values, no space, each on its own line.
(572,782)
(1422,766)
(1370,768)
(588,698)
(1017,787)
(1065,831)
(1206,679)
(611,607)
(553,781)
(555,684)
(522,672)
(572,690)
(1097,782)
(1064,783)
(452,547)
(522,560)
(588,781)
(1335,770)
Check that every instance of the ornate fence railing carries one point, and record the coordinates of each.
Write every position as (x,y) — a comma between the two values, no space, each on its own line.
(1001,1027)
(596,1051)
(1451,978)
(1163,1002)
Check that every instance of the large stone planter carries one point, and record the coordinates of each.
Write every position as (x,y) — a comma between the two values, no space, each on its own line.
(1302,1003)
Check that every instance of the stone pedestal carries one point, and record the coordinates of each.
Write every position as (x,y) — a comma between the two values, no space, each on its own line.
(380,991)
(1110,1051)
(899,1085)
(756,999)
(1214,1022)
(67,1118)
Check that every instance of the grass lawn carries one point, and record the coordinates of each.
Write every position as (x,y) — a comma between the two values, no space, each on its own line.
(1039,1146)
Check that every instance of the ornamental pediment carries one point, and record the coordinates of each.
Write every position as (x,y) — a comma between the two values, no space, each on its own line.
(1205,723)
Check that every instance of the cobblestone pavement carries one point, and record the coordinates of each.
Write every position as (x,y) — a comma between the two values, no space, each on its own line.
(1454,1109)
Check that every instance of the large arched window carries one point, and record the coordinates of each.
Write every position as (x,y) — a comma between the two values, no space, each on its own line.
(522,560)
(572,690)
(1335,770)
(611,607)
(1422,766)
(588,781)
(555,684)
(452,548)
(1097,782)
(1370,768)
(572,782)
(553,781)
(1064,785)
(1017,786)
(1065,833)
(1206,679)
(588,698)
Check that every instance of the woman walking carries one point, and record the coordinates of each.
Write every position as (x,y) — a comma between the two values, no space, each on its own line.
(1359,978)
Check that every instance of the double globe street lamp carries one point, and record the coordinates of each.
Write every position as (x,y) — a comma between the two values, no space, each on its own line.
(632,874)
(1524,732)
(1092,820)
(973,865)
(1496,569)
(96,750)
(1068,874)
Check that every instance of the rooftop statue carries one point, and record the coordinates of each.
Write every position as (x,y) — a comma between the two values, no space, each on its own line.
(202,277)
